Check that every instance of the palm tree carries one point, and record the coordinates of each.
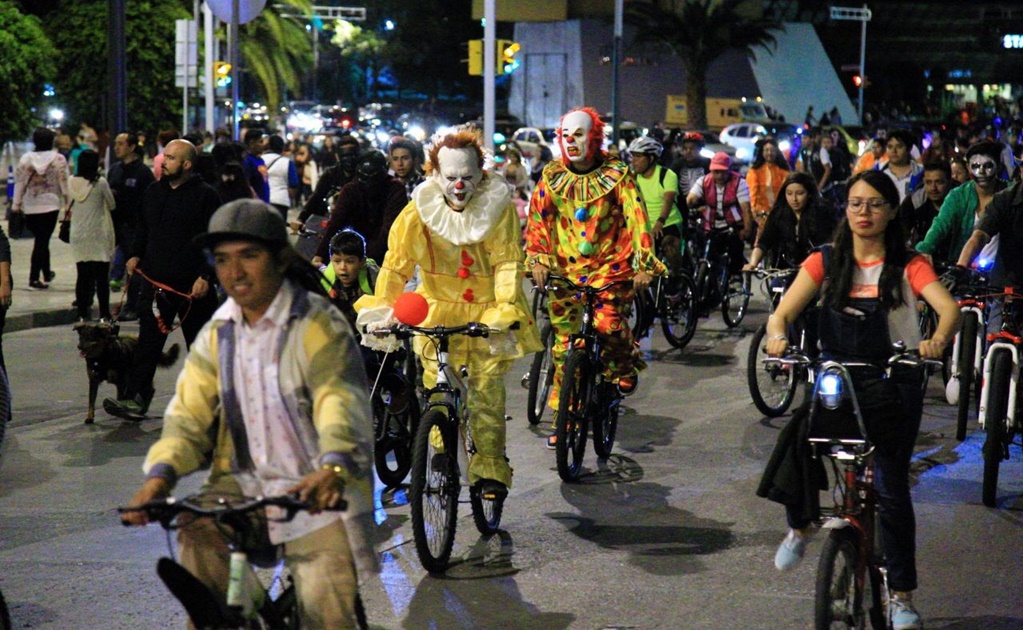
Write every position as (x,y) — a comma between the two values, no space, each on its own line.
(277,50)
(699,31)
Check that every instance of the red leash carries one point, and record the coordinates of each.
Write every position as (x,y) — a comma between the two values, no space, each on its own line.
(160,288)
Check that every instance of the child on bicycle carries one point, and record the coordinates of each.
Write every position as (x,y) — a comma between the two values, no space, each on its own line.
(349,275)
(869,285)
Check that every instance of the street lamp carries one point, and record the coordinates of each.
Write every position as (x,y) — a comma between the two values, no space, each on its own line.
(862,16)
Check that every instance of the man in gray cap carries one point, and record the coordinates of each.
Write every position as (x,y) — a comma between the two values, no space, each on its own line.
(275,389)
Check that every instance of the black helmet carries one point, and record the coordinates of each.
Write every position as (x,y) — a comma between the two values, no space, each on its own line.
(372,165)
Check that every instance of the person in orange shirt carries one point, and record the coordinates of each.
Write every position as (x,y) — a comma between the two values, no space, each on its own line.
(873,156)
(765,178)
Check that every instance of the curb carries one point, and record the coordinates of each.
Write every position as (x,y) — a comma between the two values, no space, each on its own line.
(40,319)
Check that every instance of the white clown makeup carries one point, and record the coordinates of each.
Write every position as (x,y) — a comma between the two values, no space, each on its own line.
(459,175)
(575,134)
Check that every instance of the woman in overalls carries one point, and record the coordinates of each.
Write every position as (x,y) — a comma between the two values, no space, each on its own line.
(869,284)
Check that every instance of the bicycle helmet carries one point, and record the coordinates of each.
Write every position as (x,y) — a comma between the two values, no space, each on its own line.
(692,136)
(372,166)
(645,145)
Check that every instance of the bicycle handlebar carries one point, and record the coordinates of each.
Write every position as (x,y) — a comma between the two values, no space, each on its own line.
(580,287)
(164,511)
(471,329)
(901,356)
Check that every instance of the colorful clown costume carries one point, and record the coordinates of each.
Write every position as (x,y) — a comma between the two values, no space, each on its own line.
(471,268)
(591,228)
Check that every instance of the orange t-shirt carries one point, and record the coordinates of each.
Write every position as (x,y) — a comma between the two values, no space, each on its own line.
(918,272)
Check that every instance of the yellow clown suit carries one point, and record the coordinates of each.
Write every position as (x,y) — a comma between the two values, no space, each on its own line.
(462,229)
(587,222)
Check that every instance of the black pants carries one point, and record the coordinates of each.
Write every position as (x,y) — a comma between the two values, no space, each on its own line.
(92,280)
(41,225)
(152,339)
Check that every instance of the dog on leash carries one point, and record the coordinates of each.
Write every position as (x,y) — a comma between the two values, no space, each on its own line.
(108,357)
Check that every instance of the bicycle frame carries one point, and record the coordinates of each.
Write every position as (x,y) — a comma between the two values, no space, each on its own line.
(1000,342)
(976,307)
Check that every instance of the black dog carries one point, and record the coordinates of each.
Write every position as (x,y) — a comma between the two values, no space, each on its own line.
(108,358)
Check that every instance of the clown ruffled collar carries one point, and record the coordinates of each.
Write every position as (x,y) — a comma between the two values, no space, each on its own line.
(586,188)
(472,224)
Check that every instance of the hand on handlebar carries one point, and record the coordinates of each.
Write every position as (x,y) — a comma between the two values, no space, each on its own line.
(540,274)
(641,281)
(776,346)
(153,489)
(321,489)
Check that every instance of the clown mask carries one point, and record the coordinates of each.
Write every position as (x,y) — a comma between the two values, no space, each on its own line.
(459,175)
(575,135)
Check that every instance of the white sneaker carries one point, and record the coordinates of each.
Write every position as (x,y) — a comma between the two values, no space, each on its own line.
(790,551)
(952,390)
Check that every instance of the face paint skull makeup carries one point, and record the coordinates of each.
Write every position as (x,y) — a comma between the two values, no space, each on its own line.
(984,170)
(575,132)
(459,175)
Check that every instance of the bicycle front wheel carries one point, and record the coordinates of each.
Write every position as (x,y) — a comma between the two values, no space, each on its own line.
(486,513)
(5,616)
(995,446)
(393,452)
(541,376)
(838,600)
(576,391)
(771,386)
(967,370)
(434,490)
(679,319)
(736,299)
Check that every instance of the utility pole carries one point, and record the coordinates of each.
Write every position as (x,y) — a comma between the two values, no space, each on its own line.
(862,16)
(118,91)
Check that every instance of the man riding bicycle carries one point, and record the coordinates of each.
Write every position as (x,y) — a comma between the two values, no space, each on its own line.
(273,399)
(587,222)
(658,186)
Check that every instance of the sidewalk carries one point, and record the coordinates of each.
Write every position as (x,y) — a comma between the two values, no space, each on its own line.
(52,307)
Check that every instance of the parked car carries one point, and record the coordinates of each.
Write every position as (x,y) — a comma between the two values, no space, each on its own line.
(743,136)
(529,140)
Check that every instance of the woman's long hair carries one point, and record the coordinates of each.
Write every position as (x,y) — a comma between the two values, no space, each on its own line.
(840,269)
(88,165)
(758,154)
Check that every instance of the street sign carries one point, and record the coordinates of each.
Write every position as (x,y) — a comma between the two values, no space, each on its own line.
(248,10)
(851,13)
(186,53)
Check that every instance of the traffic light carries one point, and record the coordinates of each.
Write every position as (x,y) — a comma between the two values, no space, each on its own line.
(506,61)
(222,73)
(476,57)
(857,80)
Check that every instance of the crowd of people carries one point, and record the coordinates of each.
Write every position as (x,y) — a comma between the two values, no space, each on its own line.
(273,393)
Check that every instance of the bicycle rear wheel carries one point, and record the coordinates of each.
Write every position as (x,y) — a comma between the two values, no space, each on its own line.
(996,444)
(5,615)
(541,376)
(397,442)
(838,601)
(204,608)
(967,370)
(576,391)
(771,386)
(736,299)
(434,490)
(605,420)
(679,319)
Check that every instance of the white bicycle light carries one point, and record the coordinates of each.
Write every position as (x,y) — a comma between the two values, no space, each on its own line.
(831,390)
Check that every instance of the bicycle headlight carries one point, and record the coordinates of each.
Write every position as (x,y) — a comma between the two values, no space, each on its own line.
(830,390)
(984,264)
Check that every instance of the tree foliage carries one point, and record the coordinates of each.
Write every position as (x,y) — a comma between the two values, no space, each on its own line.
(276,50)
(26,64)
(700,31)
(79,29)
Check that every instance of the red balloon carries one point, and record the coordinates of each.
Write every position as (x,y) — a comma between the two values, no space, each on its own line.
(411,308)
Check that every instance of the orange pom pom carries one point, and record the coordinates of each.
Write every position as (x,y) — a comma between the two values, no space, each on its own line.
(411,308)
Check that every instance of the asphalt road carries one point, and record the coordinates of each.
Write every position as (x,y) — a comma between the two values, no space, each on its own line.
(666,534)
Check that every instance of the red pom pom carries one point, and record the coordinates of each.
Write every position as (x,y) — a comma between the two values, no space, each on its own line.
(463,273)
(411,308)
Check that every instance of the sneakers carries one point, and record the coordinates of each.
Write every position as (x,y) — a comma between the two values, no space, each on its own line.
(628,384)
(492,490)
(552,442)
(904,615)
(37,285)
(130,409)
(790,551)
(50,275)
(115,285)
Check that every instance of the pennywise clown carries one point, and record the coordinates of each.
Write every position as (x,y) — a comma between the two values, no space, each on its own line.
(462,229)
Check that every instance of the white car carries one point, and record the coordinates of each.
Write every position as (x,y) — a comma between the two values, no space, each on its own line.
(743,136)
(529,139)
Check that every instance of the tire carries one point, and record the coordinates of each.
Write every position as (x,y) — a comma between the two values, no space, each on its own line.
(994,423)
(397,441)
(486,513)
(576,391)
(605,421)
(679,319)
(879,598)
(5,410)
(204,608)
(5,616)
(838,602)
(283,611)
(642,309)
(967,373)
(541,376)
(701,284)
(735,300)
(771,387)
(433,495)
